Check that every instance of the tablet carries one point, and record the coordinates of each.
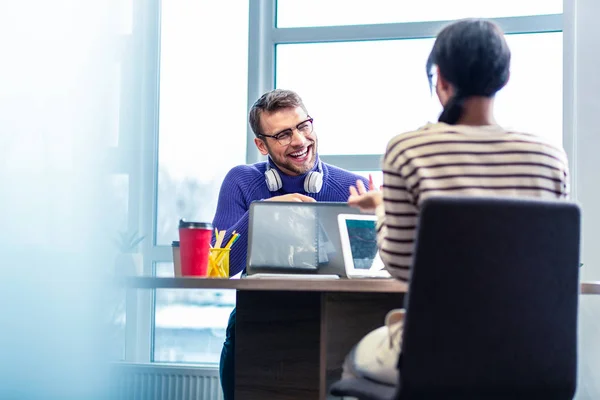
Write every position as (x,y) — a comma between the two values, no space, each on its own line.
(358,235)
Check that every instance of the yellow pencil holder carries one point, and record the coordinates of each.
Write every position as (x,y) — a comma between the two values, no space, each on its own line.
(218,263)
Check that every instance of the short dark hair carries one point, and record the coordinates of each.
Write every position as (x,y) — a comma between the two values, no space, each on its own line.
(273,101)
(474,57)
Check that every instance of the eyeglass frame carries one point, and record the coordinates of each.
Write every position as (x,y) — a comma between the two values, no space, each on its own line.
(277,135)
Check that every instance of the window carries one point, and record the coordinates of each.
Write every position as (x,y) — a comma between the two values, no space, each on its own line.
(202,114)
(365,82)
(202,135)
(116,303)
(532,101)
(295,13)
(377,89)
(189,325)
(359,89)
(118,203)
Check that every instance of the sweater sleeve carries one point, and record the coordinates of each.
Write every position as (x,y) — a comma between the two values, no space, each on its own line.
(396,223)
(232,215)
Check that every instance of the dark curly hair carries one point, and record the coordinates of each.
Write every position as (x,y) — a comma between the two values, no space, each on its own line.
(472,55)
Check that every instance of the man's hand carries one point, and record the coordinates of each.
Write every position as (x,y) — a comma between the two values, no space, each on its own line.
(363,199)
(293,197)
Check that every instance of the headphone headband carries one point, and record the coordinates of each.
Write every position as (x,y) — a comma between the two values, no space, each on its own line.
(312,182)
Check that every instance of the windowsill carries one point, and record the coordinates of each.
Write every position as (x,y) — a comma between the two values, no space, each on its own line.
(199,366)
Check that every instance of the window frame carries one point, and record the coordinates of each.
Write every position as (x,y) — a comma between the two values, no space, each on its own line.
(389,31)
(142,52)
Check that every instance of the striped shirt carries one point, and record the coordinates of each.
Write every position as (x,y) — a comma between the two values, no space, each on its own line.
(458,160)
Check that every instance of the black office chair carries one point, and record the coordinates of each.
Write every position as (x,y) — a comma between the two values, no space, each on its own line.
(492,304)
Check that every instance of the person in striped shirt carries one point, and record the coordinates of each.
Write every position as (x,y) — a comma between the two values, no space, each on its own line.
(465,154)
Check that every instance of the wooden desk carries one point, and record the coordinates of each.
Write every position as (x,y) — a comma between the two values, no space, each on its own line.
(292,335)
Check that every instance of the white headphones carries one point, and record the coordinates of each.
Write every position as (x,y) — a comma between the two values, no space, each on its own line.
(312,183)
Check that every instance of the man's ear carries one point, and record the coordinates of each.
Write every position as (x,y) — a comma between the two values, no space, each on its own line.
(262,146)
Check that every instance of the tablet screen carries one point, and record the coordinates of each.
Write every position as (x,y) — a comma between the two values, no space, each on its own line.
(362,235)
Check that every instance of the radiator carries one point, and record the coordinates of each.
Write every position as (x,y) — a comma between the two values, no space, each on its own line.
(164,382)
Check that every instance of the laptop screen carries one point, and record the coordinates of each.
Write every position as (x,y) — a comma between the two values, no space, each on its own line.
(296,237)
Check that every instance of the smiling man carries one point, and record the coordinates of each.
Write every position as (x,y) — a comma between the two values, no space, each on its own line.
(293,172)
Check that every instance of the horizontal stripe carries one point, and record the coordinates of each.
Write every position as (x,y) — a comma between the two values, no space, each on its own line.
(397,201)
(401,241)
(397,253)
(463,142)
(400,227)
(401,214)
(398,266)
(397,234)
(475,164)
(483,176)
(396,187)
(511,187)
(488,188)
(391,173)
(465,132)
(479,153)
(400,278)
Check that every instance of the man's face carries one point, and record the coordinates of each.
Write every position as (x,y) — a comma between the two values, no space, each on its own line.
(299,155)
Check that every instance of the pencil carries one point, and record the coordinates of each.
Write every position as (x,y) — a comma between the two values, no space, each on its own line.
(219,240)
(231,241)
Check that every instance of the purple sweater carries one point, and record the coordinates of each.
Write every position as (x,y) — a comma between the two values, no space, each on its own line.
(246,183)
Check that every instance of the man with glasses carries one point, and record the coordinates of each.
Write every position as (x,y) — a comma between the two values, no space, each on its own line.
(293,172)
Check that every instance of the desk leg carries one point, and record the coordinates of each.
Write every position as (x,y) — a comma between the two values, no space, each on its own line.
(277,345)
(347,318)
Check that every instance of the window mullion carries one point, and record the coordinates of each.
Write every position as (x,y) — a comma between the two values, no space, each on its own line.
(410,30)
(261,61)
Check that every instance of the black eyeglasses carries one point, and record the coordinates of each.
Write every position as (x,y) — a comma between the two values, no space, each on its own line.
(284,138)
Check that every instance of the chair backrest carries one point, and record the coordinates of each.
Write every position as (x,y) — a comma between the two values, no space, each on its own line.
(492,304)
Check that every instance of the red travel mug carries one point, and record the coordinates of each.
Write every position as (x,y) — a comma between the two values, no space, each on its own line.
(194,244)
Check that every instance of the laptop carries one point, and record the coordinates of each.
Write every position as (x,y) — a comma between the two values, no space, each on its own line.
(358,237)
(302,239)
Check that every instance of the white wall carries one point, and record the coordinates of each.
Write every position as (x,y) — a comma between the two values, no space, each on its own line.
(582,142)
(586,173)
(582,110)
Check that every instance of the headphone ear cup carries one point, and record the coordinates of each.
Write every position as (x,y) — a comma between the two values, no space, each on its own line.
(273,180)
(313,182)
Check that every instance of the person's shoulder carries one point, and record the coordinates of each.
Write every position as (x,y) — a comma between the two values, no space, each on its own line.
(245,171)
(426,132)
(245,175)
(542,143)
(533,138)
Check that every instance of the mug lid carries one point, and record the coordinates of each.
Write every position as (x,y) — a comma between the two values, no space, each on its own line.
(194,225)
